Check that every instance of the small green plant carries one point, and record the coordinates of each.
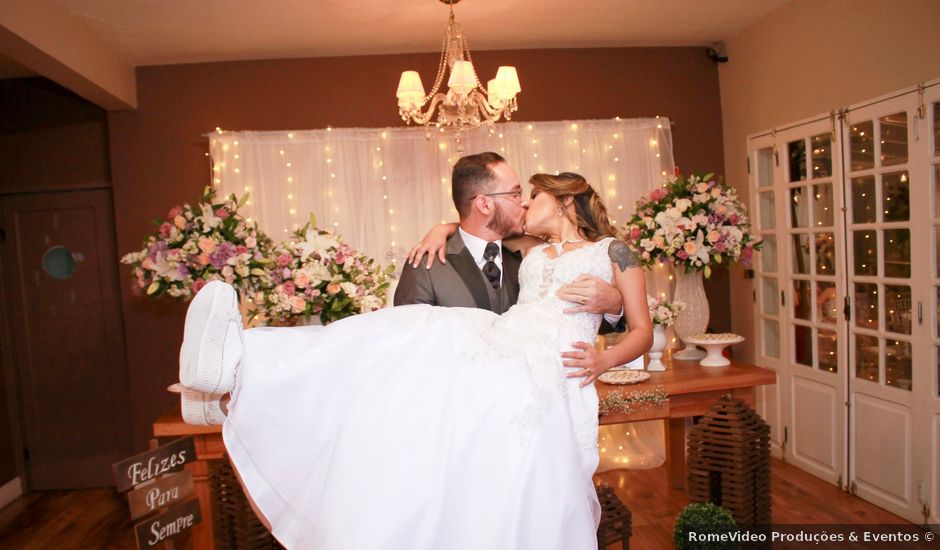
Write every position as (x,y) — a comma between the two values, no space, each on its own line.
(705,525)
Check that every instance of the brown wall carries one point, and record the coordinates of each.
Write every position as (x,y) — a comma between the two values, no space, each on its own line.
(50,139)
(158,152)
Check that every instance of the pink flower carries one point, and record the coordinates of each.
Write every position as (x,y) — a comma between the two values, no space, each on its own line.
(690,248)
(297,304)
(203,259)
(333,289)
(283,260)
(198,284)
(165,229)
(175,211)
(221,213)
(634,233)
(340,258)
(289,288)
(241,249)
(682,254)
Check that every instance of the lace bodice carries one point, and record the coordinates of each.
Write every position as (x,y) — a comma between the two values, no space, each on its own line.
(540,276)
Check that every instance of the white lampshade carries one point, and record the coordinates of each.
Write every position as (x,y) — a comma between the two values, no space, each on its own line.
(410,89)
(496,93)
(463,78)
(508,80)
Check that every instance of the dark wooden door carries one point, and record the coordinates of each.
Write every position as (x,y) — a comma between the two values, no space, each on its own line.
(60,276)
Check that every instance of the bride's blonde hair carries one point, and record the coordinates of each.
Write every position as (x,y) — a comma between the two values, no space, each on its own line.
(590,214)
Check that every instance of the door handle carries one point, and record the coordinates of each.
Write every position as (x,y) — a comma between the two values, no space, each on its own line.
(920,313)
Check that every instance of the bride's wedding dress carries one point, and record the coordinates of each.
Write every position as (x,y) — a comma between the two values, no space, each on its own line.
(422,427)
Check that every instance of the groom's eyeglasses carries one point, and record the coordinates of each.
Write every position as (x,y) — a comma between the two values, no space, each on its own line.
(514,195)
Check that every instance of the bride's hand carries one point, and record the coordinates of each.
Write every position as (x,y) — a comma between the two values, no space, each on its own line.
(588,361)
(434,242)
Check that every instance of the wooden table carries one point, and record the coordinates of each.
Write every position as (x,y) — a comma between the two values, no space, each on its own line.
(691,389)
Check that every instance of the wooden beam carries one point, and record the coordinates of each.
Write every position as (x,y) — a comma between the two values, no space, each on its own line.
(42,36)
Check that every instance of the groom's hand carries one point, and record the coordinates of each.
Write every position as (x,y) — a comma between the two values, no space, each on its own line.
(593,294)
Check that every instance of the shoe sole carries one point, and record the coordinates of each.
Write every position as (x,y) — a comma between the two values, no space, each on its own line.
(197,408)
(203,369)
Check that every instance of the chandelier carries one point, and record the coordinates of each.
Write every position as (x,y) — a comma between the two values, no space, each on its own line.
(466,105)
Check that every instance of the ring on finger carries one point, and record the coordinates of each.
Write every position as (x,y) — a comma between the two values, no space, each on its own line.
(583,300)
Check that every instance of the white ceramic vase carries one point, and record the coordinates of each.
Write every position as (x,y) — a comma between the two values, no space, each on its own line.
(693,319)
(655,353)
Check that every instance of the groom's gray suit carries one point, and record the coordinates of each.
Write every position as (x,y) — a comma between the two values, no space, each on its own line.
(459,282)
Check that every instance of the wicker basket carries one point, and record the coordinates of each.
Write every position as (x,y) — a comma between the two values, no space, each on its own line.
(729,461)
(234,523)
(616,520)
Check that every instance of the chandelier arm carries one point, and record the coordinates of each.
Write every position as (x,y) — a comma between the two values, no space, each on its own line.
(425,117)
(492,115)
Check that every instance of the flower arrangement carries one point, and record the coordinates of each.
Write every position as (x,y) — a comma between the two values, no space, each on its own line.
(197,244)
(662,311)
(693,222)
(616,401)
(315,273)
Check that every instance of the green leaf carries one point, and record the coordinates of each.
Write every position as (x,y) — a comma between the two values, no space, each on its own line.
(313,220)
(153,289)
(708,271)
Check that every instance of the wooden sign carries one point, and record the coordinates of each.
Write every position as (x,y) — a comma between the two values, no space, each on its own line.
(165,491)
(148,465)
(174,521)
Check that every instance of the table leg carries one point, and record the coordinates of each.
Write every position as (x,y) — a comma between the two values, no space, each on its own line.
(676,431)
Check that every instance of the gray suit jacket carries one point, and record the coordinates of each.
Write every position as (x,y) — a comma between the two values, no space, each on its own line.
(459,283)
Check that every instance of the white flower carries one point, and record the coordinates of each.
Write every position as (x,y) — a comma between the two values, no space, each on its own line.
(209,219)
(683,204)
(349,288)
(314,242)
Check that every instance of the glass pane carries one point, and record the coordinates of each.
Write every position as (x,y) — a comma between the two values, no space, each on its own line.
(894,139)
(766,206)
(799,211)
(796,153)
(862,152)
(936,190)
(866,357)
(825,254)
(800,253)
(765,167)
(827,307)
(866,252)
(768,254)
(58,262)
(936,132)
(896,202)
(822,156)
(803,345)
(898,364)
(771,338)
(897,308)
(897,243)
(866,305)
(828,351)
(770,293)
(822,204)
(802,300)
(863,199)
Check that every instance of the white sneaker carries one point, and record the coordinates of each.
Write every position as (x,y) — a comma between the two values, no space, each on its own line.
(213,342)
(202,409)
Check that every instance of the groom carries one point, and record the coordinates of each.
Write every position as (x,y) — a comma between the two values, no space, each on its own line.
(480,271)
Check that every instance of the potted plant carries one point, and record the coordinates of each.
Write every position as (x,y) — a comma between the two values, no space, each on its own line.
(704,520)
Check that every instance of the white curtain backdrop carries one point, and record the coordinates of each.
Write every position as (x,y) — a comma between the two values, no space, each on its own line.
(382,188)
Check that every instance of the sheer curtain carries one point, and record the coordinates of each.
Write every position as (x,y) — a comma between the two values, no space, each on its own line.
(382,188)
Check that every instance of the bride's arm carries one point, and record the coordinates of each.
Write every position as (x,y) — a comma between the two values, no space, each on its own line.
(631,282)
(434,242)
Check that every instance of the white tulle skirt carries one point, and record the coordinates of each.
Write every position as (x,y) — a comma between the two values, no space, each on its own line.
(402,429)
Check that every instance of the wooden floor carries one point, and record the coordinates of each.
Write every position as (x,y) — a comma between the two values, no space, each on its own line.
(98,518)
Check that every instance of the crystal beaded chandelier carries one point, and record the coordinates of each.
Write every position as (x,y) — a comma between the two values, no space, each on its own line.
(466,105)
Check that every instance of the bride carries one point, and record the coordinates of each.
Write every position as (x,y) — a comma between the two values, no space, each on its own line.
(421,427)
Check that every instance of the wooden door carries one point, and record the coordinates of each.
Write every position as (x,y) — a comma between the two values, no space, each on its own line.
(60,278)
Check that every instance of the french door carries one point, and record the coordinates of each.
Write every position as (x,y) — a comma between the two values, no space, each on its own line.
(848,295)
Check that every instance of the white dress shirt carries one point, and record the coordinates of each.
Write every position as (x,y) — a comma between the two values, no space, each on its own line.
(477,247)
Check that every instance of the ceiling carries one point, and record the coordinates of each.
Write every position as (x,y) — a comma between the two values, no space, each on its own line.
(157,32)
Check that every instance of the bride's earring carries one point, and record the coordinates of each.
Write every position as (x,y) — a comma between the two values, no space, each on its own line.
(560,211)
